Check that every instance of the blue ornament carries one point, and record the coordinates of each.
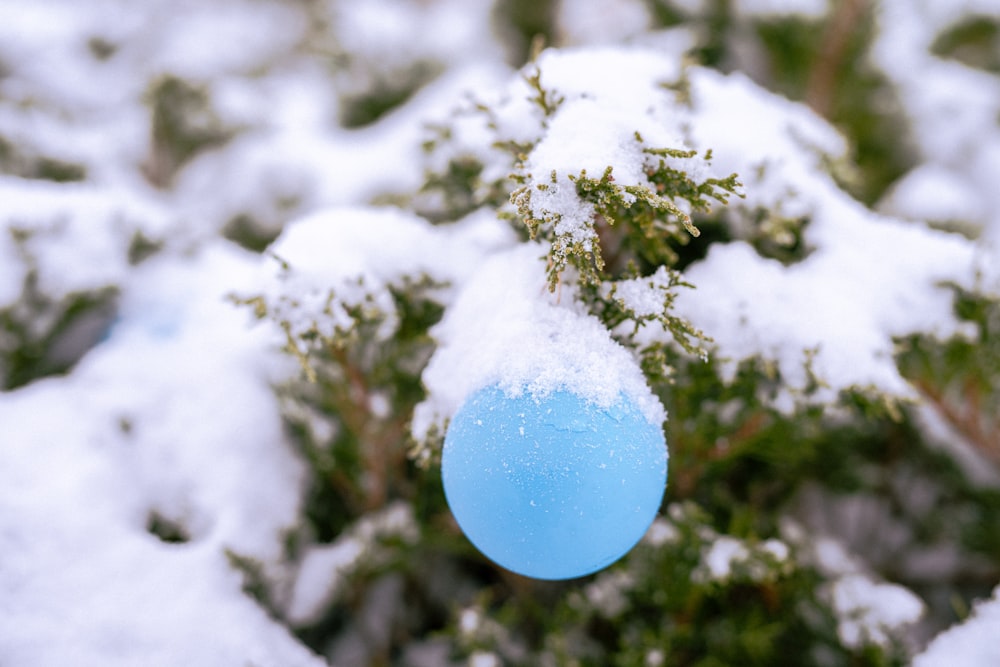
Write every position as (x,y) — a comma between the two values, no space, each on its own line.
(552,487)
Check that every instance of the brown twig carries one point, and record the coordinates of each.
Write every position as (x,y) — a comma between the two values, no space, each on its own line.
(822,82)
(968,422)
(357,416)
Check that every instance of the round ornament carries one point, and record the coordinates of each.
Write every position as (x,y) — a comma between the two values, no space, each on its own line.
(552,487)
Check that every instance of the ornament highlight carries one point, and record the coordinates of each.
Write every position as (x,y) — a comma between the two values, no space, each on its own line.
(552,487)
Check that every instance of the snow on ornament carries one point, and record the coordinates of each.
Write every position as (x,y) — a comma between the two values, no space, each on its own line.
(553,486)
(554,461)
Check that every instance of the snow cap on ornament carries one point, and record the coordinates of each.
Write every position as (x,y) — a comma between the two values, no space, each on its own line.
(554,461)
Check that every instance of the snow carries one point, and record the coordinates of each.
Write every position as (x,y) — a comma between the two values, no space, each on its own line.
(600,22)
(753,306)
(611,142)
(661,532)
(182,424)
(722,554)
(817,322)
(323,572)
(776,549)
(503,327)
(171,413)
(357,253)
(190,595)
(724,557)
(171,416)
(935,193)
(294,163)
(832,558)
(506,328)
(395,34)
(825,303)
(951,107)
(607,593)
(204,39)
(623,78)
(605,94)
(484,659)
(77,235)
(469,621)
(780,162)
(869,611)
(973,642)
(812,9)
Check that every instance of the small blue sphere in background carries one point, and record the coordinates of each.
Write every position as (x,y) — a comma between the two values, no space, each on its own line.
(553,487)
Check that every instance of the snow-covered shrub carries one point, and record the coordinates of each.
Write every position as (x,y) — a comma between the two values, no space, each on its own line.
(65,250)
(255,255)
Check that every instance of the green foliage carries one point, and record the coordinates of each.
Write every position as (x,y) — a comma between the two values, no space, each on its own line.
(661,605)
(958,377)
(778,237)
(651,221)
(32,331)
(524,23)
(975,41)
(459,189)
(636,224)
(18,161)
(41,335)
(183,124)
(823,62)
(249,233)
(255,580)
(546,100)
(350,414)
(166,530)
(605,302)
(738,465)
(792,47)
(365,106)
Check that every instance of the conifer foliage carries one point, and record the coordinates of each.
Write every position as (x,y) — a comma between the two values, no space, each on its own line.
(254,256)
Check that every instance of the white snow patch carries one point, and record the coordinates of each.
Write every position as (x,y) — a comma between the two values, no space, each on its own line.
(75,237)
(484,659)
(868,611)
(325,569)
(752,306)
(813,9)
(972,642)
(934,193)
(355,254)
(776,548)
(172,415)
(607,593)
(866,280)
(724,552)
(506,328)
(469,621)
(661,532)
(599,21)
(646,296)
